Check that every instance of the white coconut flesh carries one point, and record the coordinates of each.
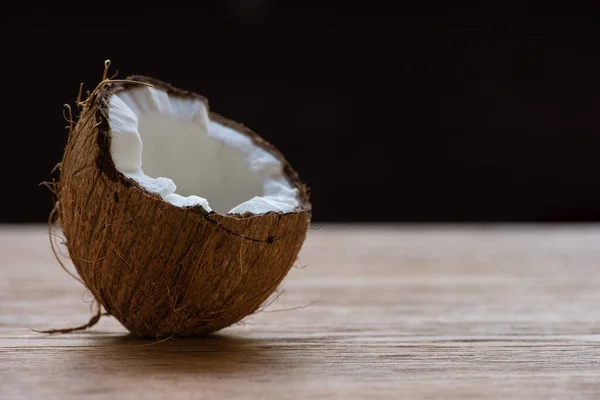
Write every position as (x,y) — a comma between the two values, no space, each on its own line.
(169,146)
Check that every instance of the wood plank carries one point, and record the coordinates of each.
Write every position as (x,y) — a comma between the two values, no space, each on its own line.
(378,312)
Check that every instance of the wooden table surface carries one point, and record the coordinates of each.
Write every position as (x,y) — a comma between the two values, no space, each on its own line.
(378,312)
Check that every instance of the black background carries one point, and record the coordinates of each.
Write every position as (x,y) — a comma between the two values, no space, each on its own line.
(460,113)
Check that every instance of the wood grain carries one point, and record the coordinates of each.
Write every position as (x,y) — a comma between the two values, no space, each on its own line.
(378,312)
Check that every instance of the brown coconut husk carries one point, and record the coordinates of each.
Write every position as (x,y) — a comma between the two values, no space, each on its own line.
(163,270)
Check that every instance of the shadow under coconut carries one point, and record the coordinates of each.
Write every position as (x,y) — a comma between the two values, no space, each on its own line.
(213,354)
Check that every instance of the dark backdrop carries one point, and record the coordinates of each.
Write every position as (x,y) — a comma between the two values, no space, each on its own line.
(449,114)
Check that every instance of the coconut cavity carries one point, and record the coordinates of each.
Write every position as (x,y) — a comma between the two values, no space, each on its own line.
(170,146)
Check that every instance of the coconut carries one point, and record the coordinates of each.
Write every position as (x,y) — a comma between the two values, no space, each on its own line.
(179,221)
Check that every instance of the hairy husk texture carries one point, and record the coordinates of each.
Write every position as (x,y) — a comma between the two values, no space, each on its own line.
(163,270)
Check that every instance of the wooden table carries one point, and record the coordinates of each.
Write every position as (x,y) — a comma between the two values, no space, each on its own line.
(378,312)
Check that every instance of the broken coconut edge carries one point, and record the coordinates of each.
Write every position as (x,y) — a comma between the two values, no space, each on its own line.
(106,162)
(210,273)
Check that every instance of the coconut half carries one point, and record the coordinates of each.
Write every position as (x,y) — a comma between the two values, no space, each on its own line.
(179,221)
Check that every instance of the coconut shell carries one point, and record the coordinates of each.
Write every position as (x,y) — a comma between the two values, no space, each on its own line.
(162,270)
